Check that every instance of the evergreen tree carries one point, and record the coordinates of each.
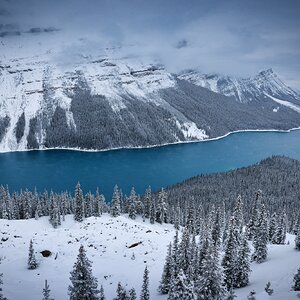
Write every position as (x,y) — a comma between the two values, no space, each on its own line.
(152,212)
(210,283)
(251,226)
(1,283)
(272,226)
(145,294)
(132,204)
(79,204)
(296,285)
(229,260)
(162,207)
(280,231)
(164,285)
(297,238)
(252,295)
(180,288)
(115,203)
(132,294)
(231,294)
(243,264)
(46,292)
(83,283)
(261,237)
(32,263)
(268,289)
(121,293)
(147,202)
(101,293)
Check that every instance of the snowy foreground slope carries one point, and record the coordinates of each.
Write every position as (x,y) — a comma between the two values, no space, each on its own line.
(106,240)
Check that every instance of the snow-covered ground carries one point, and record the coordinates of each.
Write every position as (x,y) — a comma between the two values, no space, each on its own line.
(106,240)
(286,103)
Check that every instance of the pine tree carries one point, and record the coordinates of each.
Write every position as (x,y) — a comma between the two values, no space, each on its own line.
(152,212)
(268,289)
(132,294)
(231,294)
(132,204)
(121,293)
(297,238)
(229,260)
(162,208)
(180,288)
(261,237)
(251,295)
(272,226)
(1,283)
(164,285)
(296,285)
(147,202)
(251,226)
(32,263)
(242,264)
(280,231)
(79,207)
(145,294)
(115,203)
(46,292)
(101,293)
(83,283)
(210,283)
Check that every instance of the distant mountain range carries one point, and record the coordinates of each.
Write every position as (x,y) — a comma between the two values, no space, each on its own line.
(106,100)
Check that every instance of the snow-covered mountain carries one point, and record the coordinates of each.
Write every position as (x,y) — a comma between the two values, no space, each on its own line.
(58,93)
(243,90)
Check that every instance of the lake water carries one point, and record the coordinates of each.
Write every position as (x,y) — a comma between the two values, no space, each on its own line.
(60,170)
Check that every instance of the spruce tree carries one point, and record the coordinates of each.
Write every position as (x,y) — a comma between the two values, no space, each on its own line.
(210,283)
(132,294)
(272,226)
(152,212)
(32,263)
(164,285)
(181,288)
(46,292)
(162,207)
(296,285)
(242,264)
(115,203)
(121,293)
(101,293)
(297,238)
(83,283)
(261,237)
(132,204)
(147,202)
(252,295)
(268,289)
(229,260)
(79,204)
(1,283)
(145,294)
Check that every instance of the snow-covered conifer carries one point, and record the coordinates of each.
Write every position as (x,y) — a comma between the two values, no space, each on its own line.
(145,294)
(115,203)
(164,286)
(101,293)
(261,237)
(296,285)
(242,264)
(46,292)
(79,204)
(32,263)
(181,288)
(268,289)
(83,283)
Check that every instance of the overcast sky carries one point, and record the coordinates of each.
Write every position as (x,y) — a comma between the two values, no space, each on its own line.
(235,37)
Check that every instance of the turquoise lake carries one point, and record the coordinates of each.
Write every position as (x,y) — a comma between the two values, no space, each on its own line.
(60,170)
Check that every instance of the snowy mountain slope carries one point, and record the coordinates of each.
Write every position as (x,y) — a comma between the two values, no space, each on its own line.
(55,92)
(243,90)
(106,240)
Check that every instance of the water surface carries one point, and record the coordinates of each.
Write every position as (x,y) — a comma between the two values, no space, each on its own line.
(60,170)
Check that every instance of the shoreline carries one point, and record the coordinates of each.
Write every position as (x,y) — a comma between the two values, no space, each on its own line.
(154,146)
